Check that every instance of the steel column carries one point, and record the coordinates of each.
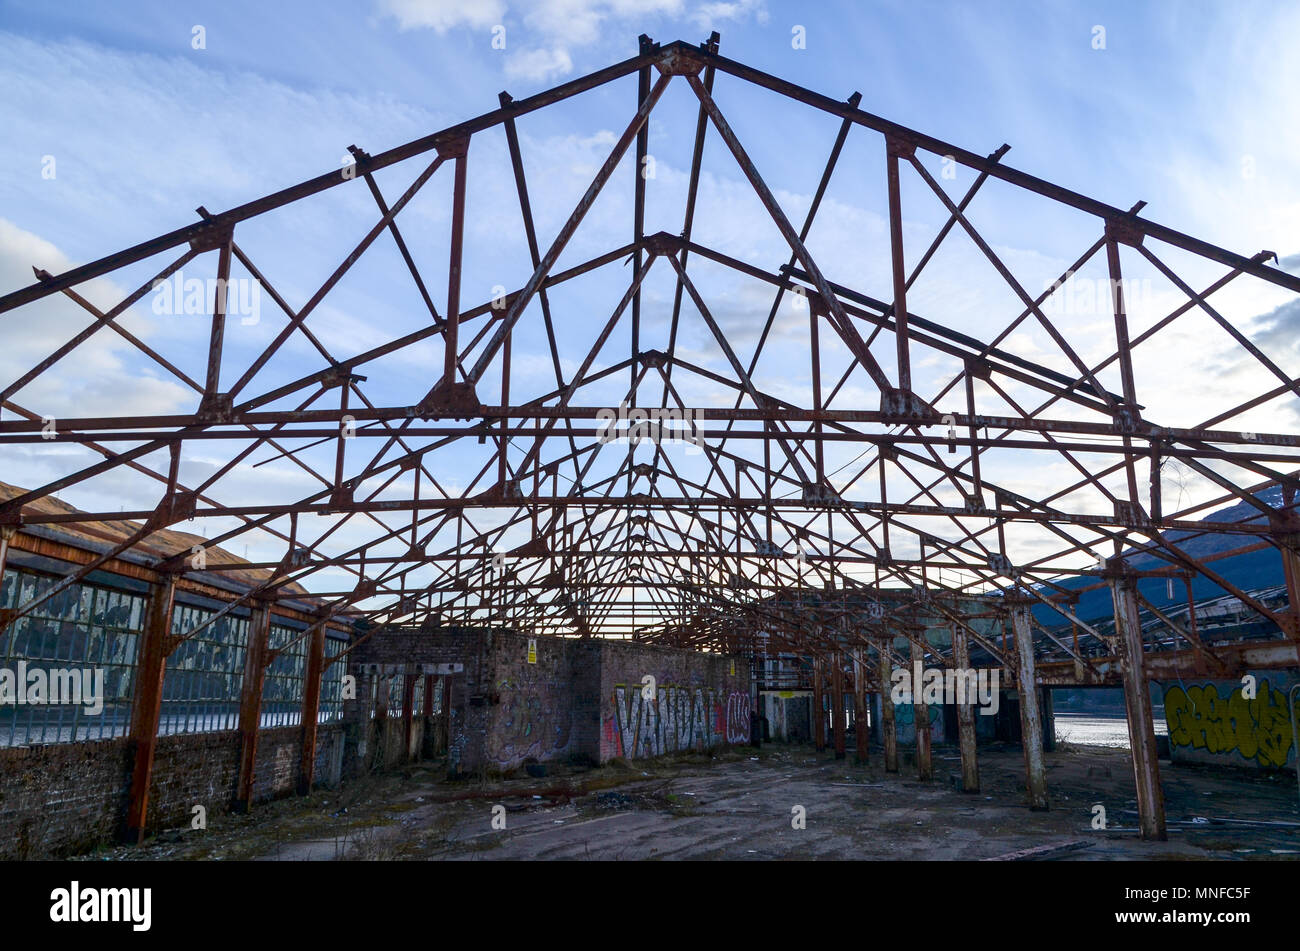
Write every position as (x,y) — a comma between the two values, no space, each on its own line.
(311,689)
(920,712)
(860,704)
(1137,700)
(837,703)
(888,729)
(1031,724)
(146,704)
(970,769)
(250,703)
(818,704)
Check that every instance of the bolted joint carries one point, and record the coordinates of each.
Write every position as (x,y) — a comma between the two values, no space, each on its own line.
(662,242)
(1285,528)
(216,409)
(899,148)
(654,359)
(1124,231)
(680,61)
(340,375)
(450,399)
(1128,419)
(212,235)
(453,145)
(896,402)
(1118,568)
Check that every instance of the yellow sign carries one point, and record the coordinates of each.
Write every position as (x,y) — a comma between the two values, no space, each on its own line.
(733,667)
(532,650)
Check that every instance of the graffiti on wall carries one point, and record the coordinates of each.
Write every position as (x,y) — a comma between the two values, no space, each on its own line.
(1258,728)
(679,718)
(534,721)
(905,715)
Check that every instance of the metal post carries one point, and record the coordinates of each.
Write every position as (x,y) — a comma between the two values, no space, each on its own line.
(921,715)
(860,695)
(818,711)
(408,710)
(311,709)
(250,703)
(451,336)
(446,712)
(837,703)
(893,148)
(888,731)
(970,768)
(7,533)
(146,705)
(1137,698)
(1031,724)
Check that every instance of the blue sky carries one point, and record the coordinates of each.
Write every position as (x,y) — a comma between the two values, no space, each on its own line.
(1189,106)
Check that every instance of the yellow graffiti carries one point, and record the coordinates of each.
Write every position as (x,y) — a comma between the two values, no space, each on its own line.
(1259,729)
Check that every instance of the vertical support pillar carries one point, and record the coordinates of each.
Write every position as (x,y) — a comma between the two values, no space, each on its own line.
(838,718)
(446,712)
(146,704)
(217,337)
(250,702)
(7,533)
(888,730)
(311,708)
(451,336)
(818,704)
(921,714)
(894,149)
(1137,700)
(1031,724)
(408,710)
(860,729)
(970,768)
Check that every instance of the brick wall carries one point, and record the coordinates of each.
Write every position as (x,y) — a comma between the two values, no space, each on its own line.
(700,701)
(578,700)
(62,798)
(65,798)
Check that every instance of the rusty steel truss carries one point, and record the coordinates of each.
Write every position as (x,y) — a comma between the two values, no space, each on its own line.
(754,543)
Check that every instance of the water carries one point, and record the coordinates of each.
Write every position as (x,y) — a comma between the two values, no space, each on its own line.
(1091,729)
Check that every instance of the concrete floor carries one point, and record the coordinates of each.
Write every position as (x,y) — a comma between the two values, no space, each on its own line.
(739,805)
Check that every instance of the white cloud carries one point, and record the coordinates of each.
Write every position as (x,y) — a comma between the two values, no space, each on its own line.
(538,65)
(544,44)
(105,371)
(443,15)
